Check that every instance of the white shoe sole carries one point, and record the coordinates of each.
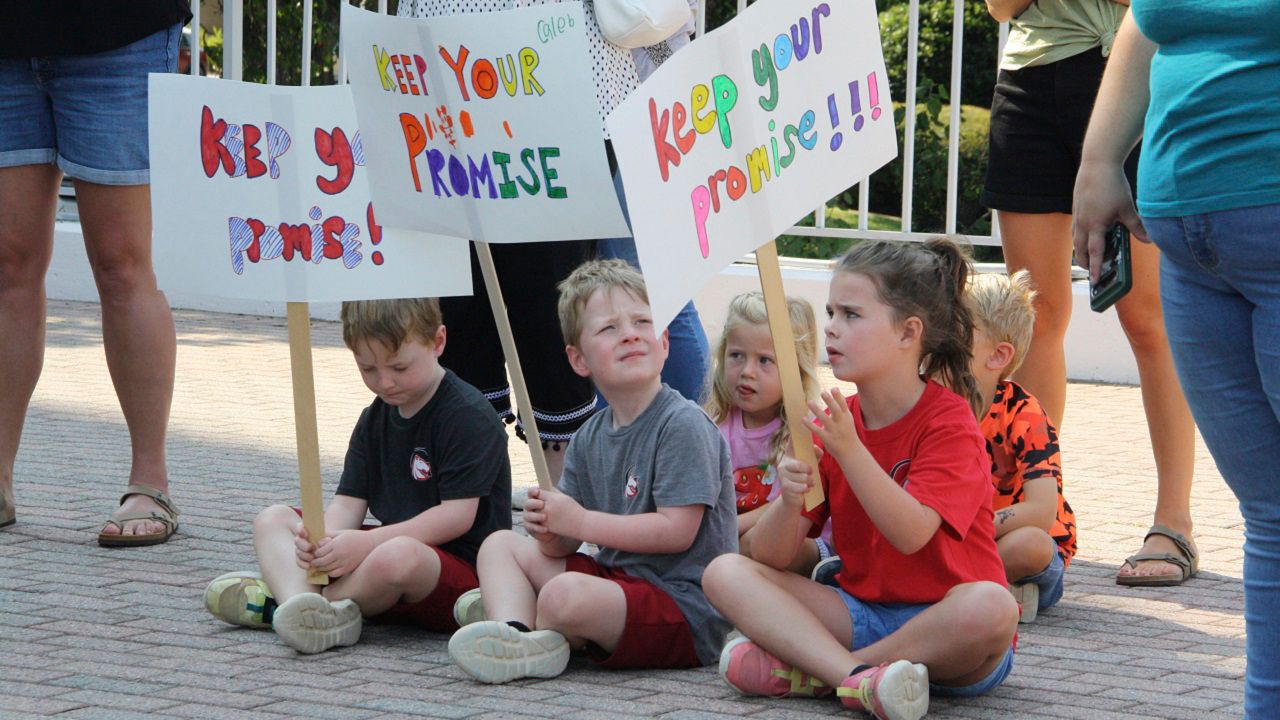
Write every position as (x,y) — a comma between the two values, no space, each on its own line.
(1028,597)
(903,691)
(311,624)
(495,652)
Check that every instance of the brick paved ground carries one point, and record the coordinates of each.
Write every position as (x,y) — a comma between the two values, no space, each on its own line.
(87,632)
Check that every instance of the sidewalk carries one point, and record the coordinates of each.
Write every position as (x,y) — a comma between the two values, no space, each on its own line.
(87,632)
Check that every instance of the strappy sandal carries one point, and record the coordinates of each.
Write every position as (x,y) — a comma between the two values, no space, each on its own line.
(1187,560)
(167,515)
(8,511)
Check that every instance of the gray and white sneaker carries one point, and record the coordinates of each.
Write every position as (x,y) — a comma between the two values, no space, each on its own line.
(494,652)
(468,608)
(310,624)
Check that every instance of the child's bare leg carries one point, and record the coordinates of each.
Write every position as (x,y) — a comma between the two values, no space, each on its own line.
(1025,551)
(816,629)
(512,569)
(806,558)
(961,638)
(273,544)
(402,569)
(583,608)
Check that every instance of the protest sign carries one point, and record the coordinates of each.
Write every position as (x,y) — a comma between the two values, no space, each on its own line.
(260,192)
(742,133)
(483,125)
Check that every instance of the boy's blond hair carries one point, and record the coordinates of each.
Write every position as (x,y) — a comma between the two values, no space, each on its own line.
(1003,307)
(592,275)
(390,322)
(749,309)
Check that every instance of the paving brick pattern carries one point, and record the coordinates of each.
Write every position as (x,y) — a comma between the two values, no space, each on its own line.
(87,632)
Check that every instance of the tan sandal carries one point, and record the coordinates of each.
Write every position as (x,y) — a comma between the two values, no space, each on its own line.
(168,515)
(1187,560)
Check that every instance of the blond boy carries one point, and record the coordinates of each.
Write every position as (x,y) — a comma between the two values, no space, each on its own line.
(1035,527)
(427,459)
(648,480)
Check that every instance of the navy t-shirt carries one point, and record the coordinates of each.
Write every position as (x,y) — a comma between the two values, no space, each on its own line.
(453,448)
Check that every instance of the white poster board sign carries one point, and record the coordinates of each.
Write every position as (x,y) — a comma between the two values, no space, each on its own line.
(260,192)
(744,132)
(483,126)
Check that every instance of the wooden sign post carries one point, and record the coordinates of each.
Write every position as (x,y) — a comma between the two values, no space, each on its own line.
(518,389)
(784,349)
(304,420)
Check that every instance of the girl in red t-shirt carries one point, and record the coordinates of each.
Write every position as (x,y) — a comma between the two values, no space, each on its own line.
(922,591)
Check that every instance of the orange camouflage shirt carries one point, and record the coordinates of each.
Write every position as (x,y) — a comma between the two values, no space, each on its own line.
(1023,445)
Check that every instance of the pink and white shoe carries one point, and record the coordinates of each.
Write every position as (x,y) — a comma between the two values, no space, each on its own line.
(751,670)
(892,691)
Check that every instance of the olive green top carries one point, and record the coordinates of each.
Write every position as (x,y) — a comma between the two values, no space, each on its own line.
(1052,30)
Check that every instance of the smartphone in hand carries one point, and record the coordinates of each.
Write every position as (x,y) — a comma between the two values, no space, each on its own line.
(1116,276)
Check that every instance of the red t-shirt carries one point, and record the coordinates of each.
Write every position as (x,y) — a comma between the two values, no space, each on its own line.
(937,454)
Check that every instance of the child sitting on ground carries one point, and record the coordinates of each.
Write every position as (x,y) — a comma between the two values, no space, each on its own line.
(648,480)
(1035,528)
(922,593)
(427,459)
(745,402)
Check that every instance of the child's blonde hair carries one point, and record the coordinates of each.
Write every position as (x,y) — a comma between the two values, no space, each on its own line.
(592,275)
(1003,308)
(926,280)
(749,309)
(390,322)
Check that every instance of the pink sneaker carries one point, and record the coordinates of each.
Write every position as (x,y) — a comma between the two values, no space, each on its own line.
(750,670)
(893,691)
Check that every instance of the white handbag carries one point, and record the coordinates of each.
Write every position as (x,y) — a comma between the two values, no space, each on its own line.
(640,23)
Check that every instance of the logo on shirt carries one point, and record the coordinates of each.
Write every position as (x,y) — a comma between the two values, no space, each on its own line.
(420,466)
(899,472)
(633,484)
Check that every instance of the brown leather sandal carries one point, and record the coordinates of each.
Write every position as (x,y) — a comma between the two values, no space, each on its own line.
(168,515)
(1187,560)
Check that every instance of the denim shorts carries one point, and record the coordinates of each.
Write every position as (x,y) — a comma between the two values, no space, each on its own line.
(1049,581)
(872,622)
(85,113)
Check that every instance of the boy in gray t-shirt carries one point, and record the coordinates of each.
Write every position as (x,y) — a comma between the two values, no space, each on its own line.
(649,480)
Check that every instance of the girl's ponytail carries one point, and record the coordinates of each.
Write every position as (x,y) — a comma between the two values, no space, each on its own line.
(950,355)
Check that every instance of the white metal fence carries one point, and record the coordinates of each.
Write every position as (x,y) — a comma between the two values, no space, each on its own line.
(233,68)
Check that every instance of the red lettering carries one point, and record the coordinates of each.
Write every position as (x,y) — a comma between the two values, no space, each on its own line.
(297,238)
(334,151)
(254,251)
(332,231)
(408,75)
(457,66)
(254,166)
(678,116)
(212,149)
(395,65)
(667,153)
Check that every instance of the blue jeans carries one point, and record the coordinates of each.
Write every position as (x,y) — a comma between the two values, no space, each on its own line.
(1049,582)
(1220,290)
(686,368)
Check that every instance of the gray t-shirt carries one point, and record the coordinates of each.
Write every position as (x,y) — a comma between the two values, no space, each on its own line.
(671,456)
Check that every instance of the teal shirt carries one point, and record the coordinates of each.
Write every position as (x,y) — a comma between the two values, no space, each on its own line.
(1212,134)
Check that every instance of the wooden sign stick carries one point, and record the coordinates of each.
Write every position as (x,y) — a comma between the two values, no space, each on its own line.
(518,388)
(304,420)
(784,348)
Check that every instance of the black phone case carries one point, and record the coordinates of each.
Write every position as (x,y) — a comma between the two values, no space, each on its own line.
(1105,294)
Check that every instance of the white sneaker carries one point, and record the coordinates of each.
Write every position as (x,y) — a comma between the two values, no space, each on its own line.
(495,652)
(468,608)
(1028,597)
(310,624)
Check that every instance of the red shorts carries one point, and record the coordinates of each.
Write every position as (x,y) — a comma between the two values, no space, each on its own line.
(655,635)
(435,611)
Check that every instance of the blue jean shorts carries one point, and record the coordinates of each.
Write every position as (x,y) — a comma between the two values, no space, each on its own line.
(1049,581)
(86,113)
(872,622)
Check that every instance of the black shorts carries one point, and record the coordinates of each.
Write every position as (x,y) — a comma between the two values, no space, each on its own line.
(528,272)
(1038,119)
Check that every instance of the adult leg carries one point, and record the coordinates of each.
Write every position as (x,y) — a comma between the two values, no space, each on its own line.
(1224,325)
(137,331)
(1040,243)
(1173,432)
(28,202)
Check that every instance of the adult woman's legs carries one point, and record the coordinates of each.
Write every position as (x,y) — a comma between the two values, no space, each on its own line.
(1040,243)
(1169,423)
(1221,300)
(28,202)
(137,331)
